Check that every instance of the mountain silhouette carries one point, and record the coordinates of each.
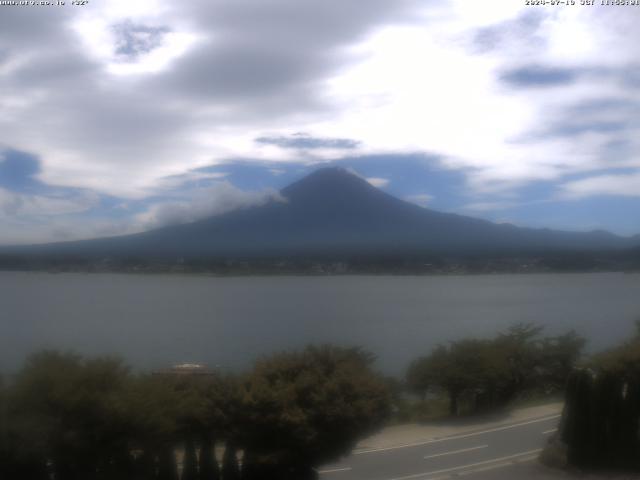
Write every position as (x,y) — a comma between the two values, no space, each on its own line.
(334,212)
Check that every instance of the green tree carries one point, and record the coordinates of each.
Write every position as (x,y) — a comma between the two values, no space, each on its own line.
(19,458)
(207,408)
(519,348)
(463,369)
(601,418)
(305,408)
(558,357)
(207,463)
(189,461)
(491,373)
(69,408)
(167,468)
(419,377)
(230,468)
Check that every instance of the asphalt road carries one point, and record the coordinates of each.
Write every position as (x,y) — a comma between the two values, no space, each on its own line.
(497,452)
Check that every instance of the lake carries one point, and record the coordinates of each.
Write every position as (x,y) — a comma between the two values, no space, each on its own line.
(159,320)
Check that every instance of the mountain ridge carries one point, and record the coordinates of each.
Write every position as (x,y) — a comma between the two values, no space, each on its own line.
(335,212)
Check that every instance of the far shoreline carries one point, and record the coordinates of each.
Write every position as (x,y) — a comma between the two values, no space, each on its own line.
(177,274)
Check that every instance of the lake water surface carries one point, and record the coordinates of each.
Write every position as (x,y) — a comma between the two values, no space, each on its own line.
(159,320)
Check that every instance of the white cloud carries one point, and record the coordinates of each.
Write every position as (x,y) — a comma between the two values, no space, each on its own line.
(175,181)
(28,218)
(25,230)
(489,206)
(421,199)
(378,181)
(219,198)
(14,204)
(616,185)
(397,86)
(100,28)
(392,77)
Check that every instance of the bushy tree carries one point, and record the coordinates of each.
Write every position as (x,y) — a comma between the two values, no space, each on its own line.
(152,408)
(420,377)
(557,358)
(208,468)
(73,418)
(208,409)
(70,410)
(601,418)
(491,373)
(519,347)
(189,461)
(167,468)
(19,458)
(305,408)
(467,368)
(230,468)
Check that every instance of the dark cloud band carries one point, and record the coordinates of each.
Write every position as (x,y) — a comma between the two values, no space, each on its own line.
(302,141)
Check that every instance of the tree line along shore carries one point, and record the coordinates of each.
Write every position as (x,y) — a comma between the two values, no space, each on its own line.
(67,417)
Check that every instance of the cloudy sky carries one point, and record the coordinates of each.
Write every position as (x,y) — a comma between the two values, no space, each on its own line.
(119,116)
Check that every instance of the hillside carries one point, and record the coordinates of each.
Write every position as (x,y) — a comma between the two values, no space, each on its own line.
(333,212)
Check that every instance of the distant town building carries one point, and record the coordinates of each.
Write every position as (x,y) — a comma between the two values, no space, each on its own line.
(187,369)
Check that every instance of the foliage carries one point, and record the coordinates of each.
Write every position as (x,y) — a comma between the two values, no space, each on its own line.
(491,373)
(230,468)
(420,377)
(559,355)
(601,421)
(69,410)
(306,408)
(72,418)
(208,467)
(623,360)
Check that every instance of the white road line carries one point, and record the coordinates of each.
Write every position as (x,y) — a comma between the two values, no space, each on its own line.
(455,437)
(494,466)
(334,470)
(497,461)
(530,458)
(456,451)
(550,431)
(486,468)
